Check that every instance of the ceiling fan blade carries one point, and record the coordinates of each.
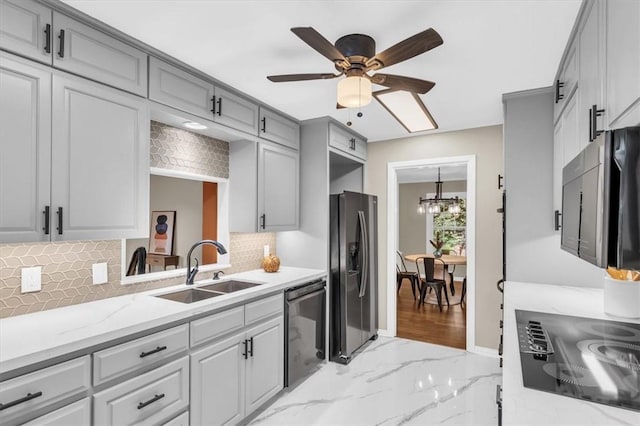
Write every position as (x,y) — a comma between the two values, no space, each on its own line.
(301,77)
(406,49)
(321,44)
(398,82)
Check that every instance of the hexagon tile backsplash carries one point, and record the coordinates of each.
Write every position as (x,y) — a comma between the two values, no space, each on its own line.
(67,269)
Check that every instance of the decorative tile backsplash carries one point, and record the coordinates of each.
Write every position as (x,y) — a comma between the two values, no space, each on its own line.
(67,271)
(179,149)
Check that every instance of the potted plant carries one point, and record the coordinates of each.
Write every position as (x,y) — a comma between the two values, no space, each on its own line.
(437,245)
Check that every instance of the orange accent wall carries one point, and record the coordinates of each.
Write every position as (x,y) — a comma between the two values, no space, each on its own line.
(209,221)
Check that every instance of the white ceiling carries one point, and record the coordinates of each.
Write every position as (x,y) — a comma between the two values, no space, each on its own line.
(490,48)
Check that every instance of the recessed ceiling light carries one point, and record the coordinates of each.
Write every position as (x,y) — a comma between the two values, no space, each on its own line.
(193,125)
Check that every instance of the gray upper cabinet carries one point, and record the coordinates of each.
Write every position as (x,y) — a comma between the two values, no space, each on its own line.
(347,142)
(263,187)
(279,129)
(278,193)
(25,162)
(567,80)
(174,87)
(25,29)
(179,89)
(33,30)
(623,63)
(590,73)
(90,53)
(100,150)
(235,111)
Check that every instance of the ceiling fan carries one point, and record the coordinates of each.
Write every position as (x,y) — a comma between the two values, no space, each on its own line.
(354,56)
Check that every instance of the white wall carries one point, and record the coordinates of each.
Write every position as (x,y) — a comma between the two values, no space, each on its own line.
(533,246)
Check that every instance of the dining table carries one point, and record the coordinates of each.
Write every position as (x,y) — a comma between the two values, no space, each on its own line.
(448,260)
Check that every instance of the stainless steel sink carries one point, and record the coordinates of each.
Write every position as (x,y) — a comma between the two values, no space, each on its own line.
(189,296)
(228,286)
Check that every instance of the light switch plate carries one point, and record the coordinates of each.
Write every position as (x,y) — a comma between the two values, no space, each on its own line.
(265,250)
(31,279)
(100,275)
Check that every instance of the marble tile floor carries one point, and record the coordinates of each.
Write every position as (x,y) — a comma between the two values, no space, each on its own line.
(394,381)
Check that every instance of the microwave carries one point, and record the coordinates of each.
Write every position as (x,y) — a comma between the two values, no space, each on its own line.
(601,201)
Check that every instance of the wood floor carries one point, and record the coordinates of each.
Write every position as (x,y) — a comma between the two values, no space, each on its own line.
(427,323)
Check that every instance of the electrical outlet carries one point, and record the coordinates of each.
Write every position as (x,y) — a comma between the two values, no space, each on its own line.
(100,275)
(31,279)
(265,250)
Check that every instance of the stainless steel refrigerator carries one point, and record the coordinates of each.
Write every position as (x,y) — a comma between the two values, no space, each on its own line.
(354,279)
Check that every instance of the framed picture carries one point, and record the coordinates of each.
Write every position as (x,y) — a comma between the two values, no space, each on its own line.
(161,233)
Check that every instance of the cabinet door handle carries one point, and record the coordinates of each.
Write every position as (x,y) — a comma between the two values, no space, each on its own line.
(61,48)
(352,143)
(500,178)
(47,216)
(151,401)
(250,350)
(557,225)
(59,228)
(29,397)
(219,106)
(213,105)
(593,122)
(245,353)
(264,124)
(263,220)
(558,94)
(47,38)
(154,351)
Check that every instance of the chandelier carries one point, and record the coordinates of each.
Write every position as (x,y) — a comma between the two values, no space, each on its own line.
(439,204)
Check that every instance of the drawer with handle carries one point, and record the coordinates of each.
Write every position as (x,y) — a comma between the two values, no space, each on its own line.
(30,392)
(136,354)
(146,399)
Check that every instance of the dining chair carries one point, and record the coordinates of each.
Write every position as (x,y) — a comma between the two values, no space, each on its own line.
(402,274)
(427,275)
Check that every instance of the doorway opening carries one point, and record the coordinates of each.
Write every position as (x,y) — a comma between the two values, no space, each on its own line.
(412,234)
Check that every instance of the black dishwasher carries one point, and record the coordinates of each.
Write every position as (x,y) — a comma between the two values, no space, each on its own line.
(304,330)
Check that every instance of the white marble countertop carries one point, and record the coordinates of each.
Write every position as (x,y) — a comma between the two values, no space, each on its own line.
(524,406)
(33,338)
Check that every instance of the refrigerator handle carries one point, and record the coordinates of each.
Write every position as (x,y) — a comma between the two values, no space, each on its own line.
(365,253)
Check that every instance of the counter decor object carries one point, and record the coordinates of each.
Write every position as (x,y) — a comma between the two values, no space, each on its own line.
(271,263)
(622,293)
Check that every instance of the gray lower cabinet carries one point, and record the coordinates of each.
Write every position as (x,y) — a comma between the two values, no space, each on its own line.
(279,129)
(235,374)
(76,414)
(31,29)
(147,399)
(34,393)
(179,89)
(264,198)
(86,143)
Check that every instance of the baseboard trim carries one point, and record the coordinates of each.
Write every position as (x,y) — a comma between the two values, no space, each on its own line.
(493,353)
(385,333)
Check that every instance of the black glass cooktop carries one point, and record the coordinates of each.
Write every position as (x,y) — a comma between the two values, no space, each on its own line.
(585,358)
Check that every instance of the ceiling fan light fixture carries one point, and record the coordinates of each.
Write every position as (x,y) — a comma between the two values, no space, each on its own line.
(408,109)
(354,92)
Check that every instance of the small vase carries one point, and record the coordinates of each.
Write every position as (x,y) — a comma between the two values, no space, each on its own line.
(437,253)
